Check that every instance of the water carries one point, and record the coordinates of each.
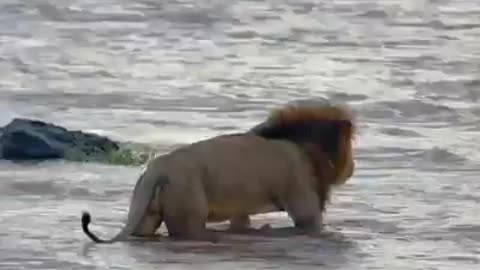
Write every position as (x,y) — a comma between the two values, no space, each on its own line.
(168,72)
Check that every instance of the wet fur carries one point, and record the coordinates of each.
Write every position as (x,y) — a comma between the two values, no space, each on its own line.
(289,162)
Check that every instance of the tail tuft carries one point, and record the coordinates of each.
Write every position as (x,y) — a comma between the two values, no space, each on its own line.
(86,219)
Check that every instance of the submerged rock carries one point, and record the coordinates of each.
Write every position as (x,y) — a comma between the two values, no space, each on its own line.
(26,139)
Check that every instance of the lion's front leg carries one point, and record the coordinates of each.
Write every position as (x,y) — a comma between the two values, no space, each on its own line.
(304,210)
(309,225)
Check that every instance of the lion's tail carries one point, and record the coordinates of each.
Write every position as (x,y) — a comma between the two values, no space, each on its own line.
(143,194)
(86,219)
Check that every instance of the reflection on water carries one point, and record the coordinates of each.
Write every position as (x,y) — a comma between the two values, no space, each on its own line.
(280,248)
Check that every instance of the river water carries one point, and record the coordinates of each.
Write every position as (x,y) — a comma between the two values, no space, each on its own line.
(176,71)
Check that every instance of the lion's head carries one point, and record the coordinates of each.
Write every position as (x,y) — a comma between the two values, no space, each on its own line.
(323,130)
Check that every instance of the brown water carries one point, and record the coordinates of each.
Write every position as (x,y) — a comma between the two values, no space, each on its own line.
(167,72)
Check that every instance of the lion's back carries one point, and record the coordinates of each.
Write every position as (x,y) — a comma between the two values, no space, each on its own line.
(230,158)
(247,166)
(237,173)
(247,154)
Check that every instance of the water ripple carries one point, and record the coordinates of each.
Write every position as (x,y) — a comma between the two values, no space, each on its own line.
(166,73)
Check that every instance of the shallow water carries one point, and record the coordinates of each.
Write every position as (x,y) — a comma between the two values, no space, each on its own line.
(167,72)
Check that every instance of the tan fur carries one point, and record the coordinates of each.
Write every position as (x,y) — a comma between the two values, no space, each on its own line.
(230,177)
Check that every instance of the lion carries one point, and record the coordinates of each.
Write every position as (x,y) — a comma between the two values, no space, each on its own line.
(289,163)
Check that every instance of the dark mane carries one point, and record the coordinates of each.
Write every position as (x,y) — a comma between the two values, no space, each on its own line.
(323,133)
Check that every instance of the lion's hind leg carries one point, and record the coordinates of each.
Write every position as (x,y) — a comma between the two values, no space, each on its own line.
(149,225)
(186,215)
(152,219)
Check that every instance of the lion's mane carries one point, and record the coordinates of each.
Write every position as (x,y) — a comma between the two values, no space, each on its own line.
(325,132)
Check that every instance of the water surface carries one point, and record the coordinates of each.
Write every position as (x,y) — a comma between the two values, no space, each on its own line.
(168,72)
